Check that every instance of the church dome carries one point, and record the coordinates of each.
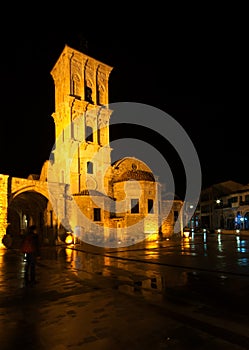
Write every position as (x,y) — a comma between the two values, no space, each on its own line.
(131,168)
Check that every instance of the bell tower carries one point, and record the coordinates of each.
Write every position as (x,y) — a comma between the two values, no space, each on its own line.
(82,151)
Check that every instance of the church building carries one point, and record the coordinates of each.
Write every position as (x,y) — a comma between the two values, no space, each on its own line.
(88,196)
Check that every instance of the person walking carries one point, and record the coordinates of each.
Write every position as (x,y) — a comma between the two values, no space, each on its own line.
(31,248)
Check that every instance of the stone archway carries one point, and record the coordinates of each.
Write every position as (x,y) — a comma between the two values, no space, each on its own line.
(25,209)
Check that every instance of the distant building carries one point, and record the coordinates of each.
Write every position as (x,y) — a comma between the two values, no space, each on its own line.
(224,206)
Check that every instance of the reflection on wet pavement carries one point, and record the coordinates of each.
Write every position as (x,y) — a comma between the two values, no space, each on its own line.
(205,274)
(166,270)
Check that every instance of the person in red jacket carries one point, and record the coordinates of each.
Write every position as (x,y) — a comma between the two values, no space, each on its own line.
(31,248)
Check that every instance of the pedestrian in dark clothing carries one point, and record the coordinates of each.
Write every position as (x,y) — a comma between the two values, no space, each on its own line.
(30,247)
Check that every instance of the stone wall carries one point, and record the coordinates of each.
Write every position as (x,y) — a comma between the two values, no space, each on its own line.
(3,205)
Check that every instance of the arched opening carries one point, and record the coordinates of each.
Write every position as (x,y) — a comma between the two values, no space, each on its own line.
(26,209)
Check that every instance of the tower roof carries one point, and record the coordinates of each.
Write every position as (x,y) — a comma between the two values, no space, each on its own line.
(68,50)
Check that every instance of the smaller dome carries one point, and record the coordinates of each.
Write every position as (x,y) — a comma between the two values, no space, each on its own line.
(138,175)
(131,168)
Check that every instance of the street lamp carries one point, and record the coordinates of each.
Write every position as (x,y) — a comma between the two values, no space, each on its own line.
(189,220)
(221,218)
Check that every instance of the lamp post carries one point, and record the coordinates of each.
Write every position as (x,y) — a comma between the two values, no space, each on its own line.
(221,218)
(190,224)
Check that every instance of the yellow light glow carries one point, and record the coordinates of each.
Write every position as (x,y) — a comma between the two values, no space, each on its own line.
(152,237)
(69,239)
(186,234)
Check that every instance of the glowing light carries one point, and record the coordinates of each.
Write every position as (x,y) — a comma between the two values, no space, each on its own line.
(152,237)
(69,239)
(186,234)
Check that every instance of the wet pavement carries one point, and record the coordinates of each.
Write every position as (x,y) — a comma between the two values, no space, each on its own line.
(79,307)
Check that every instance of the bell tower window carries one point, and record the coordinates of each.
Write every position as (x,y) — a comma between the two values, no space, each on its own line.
(88,94)
(89,133)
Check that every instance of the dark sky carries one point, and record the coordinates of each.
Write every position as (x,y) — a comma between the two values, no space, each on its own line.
(193,74)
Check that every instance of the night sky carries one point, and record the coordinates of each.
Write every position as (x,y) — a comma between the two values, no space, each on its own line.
(194,75)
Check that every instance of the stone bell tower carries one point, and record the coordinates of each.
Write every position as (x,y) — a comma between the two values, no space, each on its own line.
(82,152)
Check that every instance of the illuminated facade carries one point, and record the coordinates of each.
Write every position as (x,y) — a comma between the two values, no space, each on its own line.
(225,206)
(79,189)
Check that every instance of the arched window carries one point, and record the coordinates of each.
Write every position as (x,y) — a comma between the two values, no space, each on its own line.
(150,206)
(134,206)
(89,168)
(89,133)
(88,94)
